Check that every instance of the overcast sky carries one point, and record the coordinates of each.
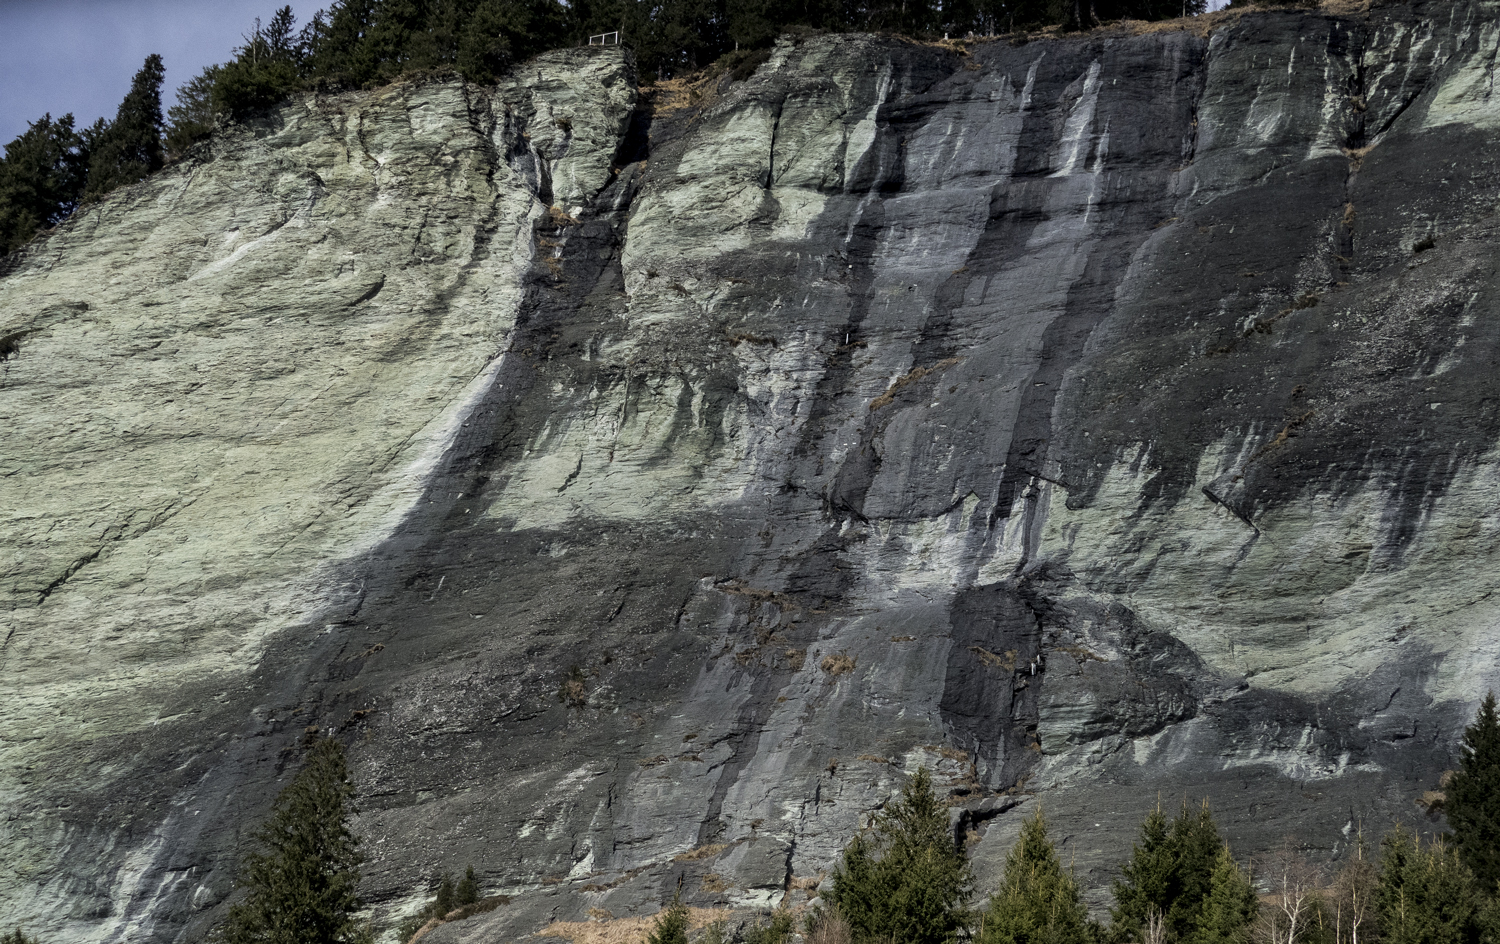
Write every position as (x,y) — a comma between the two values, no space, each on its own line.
(78,56)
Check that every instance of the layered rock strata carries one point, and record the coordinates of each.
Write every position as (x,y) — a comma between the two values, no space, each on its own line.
(643,488)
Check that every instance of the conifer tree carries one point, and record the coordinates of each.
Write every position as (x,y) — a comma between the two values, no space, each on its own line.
(304,876)
(130,147)
(1229,909)
(907,880)
(1169,871)
(1037,901)
(264,70)
(672,925)
(192,118)
(1472,803)
(41,177)
(467,892)
(1426,894)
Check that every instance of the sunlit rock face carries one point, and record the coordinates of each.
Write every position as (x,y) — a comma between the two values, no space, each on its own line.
(1089,420)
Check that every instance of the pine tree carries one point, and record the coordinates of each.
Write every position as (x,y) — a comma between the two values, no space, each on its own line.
(1169,872)
(467,892)
(1426,894)
(1472,803)
(1146,880)
(192,118)
(41,178)
(1037,901)
(1229,909)
(130,147)
(672,925)
(907,880)
(304,876)
(264,70)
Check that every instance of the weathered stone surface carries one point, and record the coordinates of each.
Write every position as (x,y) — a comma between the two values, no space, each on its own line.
(1087,419)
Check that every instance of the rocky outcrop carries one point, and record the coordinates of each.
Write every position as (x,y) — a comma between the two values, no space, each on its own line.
(642,489)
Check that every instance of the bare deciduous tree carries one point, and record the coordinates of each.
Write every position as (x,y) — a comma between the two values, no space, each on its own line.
(1155,929)
(1286,913)
(1353,897)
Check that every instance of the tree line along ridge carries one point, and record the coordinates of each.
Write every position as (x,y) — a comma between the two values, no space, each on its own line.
(53,168)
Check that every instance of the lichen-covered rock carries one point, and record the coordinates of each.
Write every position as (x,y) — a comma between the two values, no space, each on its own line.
(642,492)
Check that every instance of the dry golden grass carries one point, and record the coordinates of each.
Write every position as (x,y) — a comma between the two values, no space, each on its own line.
(1201,25)
(702,852)
(837,664)
(996,660)
(911,377)
(624,930)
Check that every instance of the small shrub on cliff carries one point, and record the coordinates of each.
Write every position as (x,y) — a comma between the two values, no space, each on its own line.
(16,937)
(304,876)
(906,879)
(449,897)
(776,931)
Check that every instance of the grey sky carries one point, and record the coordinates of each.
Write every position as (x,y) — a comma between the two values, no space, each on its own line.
(78,56)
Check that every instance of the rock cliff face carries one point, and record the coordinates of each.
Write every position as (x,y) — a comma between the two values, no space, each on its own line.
(643,488)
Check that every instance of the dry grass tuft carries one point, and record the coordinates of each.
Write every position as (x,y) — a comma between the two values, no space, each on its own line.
(993,660)
(702,852)
(1082,654)
(911,377)
(624,930)
(837,664)
(829,928)
(1201,25)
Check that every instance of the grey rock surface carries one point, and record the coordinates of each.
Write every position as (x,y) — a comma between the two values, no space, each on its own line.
(643,489)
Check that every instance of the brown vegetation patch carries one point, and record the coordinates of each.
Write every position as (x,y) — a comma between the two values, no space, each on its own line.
(911,377)
(1200,25)
(482,906)
(1284,436)
(702,852)
(993,660)
(624,930)
(837,664)
(1081,654)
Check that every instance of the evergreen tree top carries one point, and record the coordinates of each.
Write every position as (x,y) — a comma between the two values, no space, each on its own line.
(1472,796)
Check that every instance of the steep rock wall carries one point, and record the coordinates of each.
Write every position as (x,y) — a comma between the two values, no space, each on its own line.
(1086,419)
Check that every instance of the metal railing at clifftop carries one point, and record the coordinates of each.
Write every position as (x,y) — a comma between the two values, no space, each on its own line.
(605,39)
